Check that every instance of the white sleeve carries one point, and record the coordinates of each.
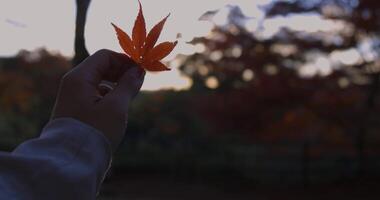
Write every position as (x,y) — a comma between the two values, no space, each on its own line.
(68,161)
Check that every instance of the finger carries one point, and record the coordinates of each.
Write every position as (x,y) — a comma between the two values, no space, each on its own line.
(127,88)
(103,65)
(105,87)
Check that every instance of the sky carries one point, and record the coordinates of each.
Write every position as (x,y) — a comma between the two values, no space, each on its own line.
(50,23)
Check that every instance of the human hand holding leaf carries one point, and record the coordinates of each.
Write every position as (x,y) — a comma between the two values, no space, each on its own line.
(141,47)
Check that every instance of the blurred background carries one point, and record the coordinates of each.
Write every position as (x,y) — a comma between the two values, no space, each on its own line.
(266,99)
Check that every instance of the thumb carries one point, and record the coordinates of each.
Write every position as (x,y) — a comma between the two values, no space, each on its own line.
(128,85)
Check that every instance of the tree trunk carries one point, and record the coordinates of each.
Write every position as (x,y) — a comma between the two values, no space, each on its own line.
(306,163)
(362,135)
(81,52)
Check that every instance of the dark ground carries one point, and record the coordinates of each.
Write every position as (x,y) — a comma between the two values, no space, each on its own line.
(156,187)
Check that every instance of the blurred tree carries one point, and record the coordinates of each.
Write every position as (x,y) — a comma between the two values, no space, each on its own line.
(259,80)
(28,85)
(362,17)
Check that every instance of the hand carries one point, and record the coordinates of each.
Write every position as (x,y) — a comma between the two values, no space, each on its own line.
(80,97)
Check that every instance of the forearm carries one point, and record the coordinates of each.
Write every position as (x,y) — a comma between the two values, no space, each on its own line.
(68,161)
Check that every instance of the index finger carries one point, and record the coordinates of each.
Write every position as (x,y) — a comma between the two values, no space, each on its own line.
(104,65)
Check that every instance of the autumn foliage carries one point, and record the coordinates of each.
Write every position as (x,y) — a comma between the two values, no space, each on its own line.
(141,47)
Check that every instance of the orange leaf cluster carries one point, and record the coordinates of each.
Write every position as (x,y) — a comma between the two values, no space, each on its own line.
(141,47)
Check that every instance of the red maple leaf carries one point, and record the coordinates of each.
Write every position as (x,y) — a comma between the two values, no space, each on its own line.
(141,47)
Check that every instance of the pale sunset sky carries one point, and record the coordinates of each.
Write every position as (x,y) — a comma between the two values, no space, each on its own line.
(50,23)
(26,24)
